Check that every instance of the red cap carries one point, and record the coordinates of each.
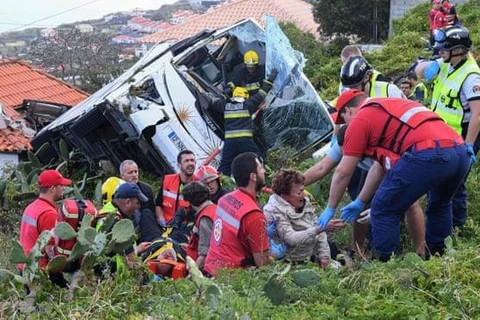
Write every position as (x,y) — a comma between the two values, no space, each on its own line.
(343,99)
(50,178)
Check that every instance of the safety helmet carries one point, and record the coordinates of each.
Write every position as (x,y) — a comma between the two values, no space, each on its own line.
(109,187)
(240,94)
(250,58)
(451,38)
(205,174)
(354,70)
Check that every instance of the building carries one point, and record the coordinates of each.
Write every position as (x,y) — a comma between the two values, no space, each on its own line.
(123,39)
(296,11)
(181,16)
(84,28)
(48,33)
(144,25)
(19,81)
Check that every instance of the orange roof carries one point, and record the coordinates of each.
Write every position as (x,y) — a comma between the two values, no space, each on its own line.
(13,141)
(296,11)
(20,81)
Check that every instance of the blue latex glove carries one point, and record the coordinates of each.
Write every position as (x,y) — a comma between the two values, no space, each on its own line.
(333,140)
(471,153)
(271,228)
(162,222)
(325,217)
(431,71)
(350,212)
(277,249)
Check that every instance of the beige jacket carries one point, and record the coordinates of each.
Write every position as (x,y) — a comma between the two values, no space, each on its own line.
(297,229)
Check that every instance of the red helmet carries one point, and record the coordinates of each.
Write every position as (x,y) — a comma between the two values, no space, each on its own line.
(206,174)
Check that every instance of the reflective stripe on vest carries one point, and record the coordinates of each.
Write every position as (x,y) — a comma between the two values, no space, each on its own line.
(238,121)
(379,89)
(234,223)
(172,200)
(446,94)
(63,251)
(423,88)
(29,220)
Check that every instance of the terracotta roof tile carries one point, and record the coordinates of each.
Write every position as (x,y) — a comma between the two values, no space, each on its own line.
(296,11)
(20,81)
(13,141)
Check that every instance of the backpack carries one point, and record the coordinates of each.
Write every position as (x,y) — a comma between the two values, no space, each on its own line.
(72,212)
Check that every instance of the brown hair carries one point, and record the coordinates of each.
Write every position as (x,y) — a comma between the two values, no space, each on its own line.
(351,50)
(285,179)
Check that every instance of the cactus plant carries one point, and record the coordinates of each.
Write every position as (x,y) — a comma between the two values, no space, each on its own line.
(57,264)
(123,231)
(65,231)
(275,289)
(305,278)
(17,255)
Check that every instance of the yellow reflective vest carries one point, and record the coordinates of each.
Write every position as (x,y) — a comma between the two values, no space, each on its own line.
(446,93)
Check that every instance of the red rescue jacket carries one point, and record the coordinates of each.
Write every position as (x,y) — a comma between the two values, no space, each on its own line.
(192,248)
(226,251)
(172,199)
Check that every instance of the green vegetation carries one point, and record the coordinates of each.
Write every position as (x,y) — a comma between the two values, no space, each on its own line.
(406,287)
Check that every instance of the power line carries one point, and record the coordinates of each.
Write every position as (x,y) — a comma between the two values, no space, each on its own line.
(21,24)
(53,15)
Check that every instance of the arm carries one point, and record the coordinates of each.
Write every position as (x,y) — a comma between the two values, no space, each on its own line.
(323,250)
(253,230)
(291,237)
(158,205)
(204,232)
(474,124)
(373,180)
(341,178)
(322,168)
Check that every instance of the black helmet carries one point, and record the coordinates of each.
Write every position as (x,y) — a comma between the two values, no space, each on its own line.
(452,37)
(353,71)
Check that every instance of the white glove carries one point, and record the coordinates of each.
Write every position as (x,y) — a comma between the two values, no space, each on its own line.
(364,217)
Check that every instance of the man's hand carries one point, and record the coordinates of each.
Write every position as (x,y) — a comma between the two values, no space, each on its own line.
(352,210)
(142,247)
(325,217)
(336,225)
(471,154)
(162,223)
(364,217)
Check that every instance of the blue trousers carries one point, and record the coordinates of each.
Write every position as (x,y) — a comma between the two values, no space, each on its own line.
(438,172)
(232,148)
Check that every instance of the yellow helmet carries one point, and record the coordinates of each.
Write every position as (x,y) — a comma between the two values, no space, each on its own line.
(240,92)
(250,58)
(109,187)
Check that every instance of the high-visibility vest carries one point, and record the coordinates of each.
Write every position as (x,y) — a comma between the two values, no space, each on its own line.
(446,93)
(172,198)
(405,115)
(421,87)
(225,250)
(378,89)
(29,231)
(238,121)
(192,248)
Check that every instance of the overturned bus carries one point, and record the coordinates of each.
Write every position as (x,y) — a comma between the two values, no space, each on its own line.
(156,108)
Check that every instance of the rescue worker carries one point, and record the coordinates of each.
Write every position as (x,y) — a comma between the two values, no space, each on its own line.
(169,198)
(238,124)
(416,153)
(41,215)
(198,196)
(357,73)
(419,90)
(250,76)
(352,51)
(126,201)
(456,97)
(239,236)
(211,179)
(129,173)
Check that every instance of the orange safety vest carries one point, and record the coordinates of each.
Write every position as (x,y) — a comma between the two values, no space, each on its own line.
(72,213)
(172,199)
(226,251)
(404,115)
(192,248)
(29,230)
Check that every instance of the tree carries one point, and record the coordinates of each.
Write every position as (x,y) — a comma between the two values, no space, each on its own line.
(367,19)
(87,60)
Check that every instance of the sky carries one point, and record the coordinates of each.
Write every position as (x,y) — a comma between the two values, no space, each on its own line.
(21,12)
